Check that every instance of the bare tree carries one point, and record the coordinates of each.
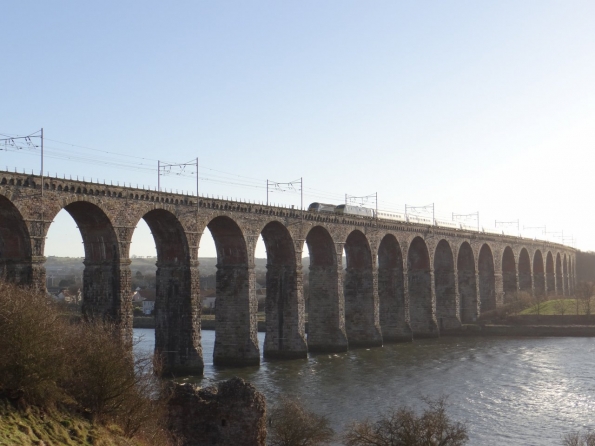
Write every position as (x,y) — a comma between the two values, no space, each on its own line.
(579,439)
(290,424)
(403,427)
(560,305)
(584,295)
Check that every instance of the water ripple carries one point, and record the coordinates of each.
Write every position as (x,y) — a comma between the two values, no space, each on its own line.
(528,391)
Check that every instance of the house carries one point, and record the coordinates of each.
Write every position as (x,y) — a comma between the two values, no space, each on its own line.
(144,299)
(148,305)
(69,297)
(208,298)
(137,297)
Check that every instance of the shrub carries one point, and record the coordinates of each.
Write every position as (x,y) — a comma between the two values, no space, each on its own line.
(46,360)
(579,439)
(513,304)
(290,424)
(33,359)
(403,427)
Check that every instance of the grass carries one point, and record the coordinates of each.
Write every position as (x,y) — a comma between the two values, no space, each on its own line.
(553,307)
(34,426)
(72,384)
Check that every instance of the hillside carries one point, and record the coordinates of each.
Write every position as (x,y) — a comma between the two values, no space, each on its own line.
(208,265)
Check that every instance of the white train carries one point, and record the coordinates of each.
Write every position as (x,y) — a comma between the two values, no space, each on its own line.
(467,227)
(447,223)
(495,231)
(354,210)
(385,215)
(347,209)
(513,232)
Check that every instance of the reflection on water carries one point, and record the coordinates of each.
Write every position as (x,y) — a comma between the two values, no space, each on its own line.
(528,391)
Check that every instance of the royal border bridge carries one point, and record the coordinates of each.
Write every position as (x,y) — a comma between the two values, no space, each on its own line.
(401,281)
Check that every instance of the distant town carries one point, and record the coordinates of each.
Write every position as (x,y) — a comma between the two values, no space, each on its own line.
(64,281)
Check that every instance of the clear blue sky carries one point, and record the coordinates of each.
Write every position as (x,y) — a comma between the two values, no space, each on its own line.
(475,106)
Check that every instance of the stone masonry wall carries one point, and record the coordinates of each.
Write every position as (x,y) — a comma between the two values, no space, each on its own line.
(345,309)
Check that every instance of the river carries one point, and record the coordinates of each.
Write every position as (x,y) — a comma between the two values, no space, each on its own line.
(510,391)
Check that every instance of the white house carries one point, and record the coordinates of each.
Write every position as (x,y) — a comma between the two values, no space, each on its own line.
(148,306)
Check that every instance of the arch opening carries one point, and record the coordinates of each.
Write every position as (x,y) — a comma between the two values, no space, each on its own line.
(15,246)
(361,304)
(565,276)
(105,292)
(284,305)
(326,304)
(538,274)
(550,281)
(64,265)
(177,296)
(444,280)
(509,275)
(559,282)
(421,307)
(391,291)
(236,341)
(487,279)
(467,284)
(571,274)
(525,271)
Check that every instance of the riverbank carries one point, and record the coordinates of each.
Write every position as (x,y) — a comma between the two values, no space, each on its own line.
(206,323)
(513,326)
(35,426)
(523,330)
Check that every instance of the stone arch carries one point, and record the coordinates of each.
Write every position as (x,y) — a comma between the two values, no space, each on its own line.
(177,303)
(106,284)
(538,273)
(550,274)
(391,291)
(572,276)
(15,245)
(326,306)
(361,303)
(236,341)
(487,279)
(285,333)
(565,275)
(559,282)
(169,235)
(444,282)
(421,307)
(467,283)
(509,274)
(525,282)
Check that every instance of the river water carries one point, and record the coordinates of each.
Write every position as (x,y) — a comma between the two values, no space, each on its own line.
(510,391)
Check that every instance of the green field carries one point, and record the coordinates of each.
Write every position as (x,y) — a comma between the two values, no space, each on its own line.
(556,307)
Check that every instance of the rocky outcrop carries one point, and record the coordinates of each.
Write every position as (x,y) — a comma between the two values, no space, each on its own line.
(230,413)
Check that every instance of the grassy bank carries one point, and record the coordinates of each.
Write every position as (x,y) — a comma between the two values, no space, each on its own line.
(34,426)
(557,307)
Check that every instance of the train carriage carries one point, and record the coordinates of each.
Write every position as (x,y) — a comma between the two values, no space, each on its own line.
(321,207)
(347,209)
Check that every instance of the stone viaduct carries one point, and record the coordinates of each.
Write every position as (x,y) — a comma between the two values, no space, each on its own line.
(401,281)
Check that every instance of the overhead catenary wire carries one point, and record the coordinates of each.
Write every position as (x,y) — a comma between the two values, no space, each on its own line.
(143,164)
